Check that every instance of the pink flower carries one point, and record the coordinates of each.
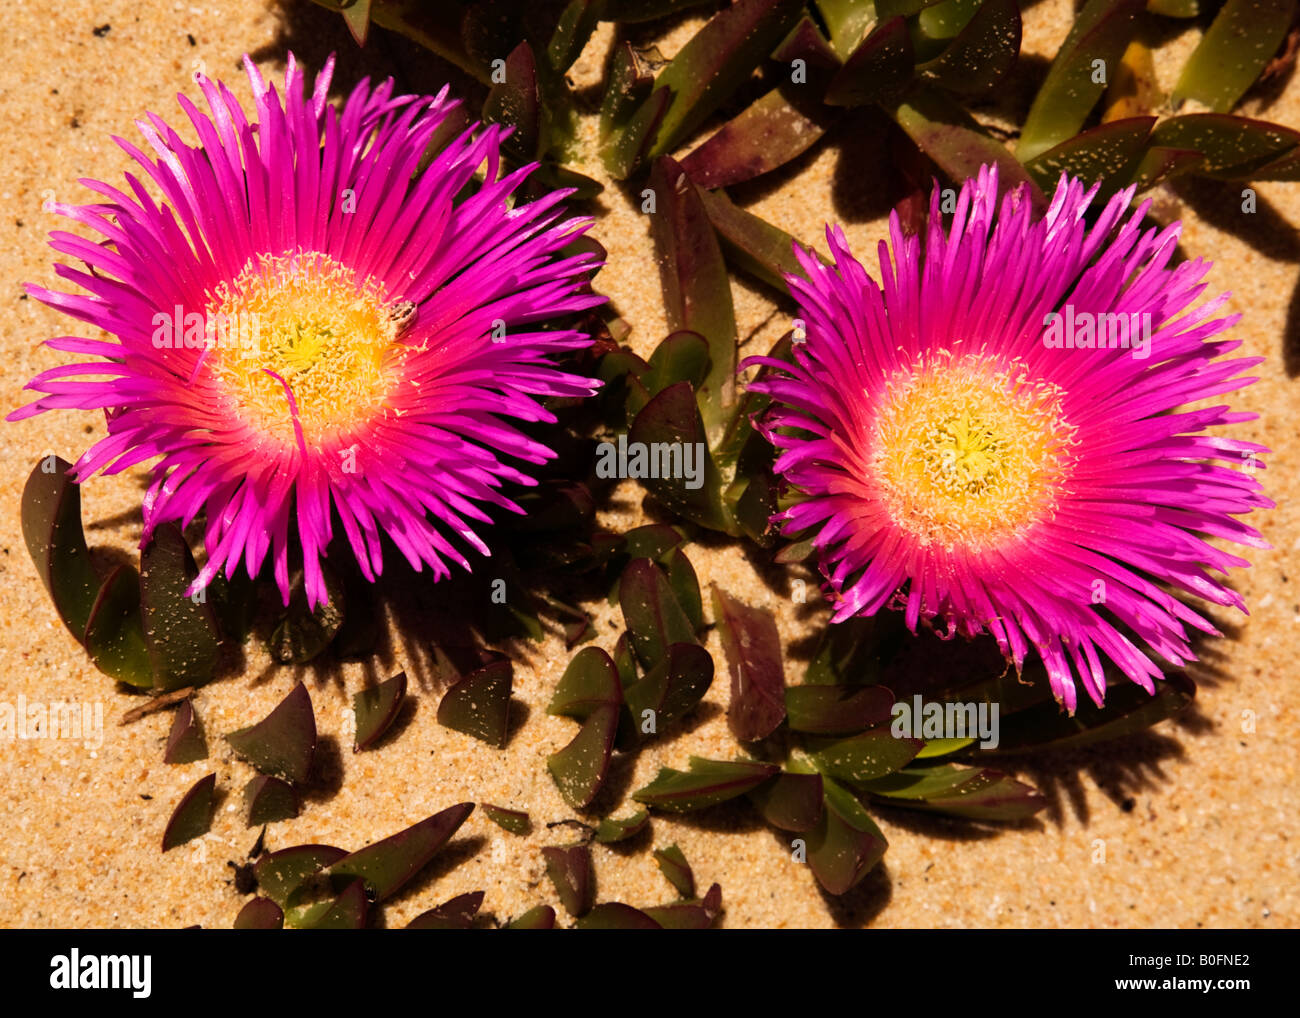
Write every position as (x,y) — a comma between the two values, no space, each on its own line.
(309,327)
(991,439)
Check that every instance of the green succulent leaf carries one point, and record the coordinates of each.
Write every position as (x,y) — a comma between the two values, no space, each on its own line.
(672,688)
(349,911)
(375,709)
(790,801)
(706,783)
(753,244)
(654,617)
(51,520)
(540,917)
(1084,64)
(571,872)
(192,816)
(456,914)
(837,709)
(673,865)
(974,793)
(984,50)
(862,757)
(269,799)
(479,704)
(580,768)
(1233,51)
(846,844)
(1109,153)
(577,21)
(115,638)
(181,632)
(303,634)
(283,744)
(1231,148)
(281,873)
(614,915)
(878,70)
(514,821)
(612,831)
(589,682)
(681,357)
(516,102)
(387,865)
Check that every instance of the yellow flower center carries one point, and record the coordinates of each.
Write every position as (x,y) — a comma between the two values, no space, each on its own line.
(306,324)
(968,452)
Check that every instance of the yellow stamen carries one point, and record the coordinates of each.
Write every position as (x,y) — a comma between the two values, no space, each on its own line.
(306,319)
(968,452)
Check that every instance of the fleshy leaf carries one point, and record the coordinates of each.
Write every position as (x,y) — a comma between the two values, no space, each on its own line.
(866,756)
(185,742)
(673,865)
(579,769)
(791,801)
(281,873)
(260,914)
(672,688)
(51,519)
(611,830)
(1109,153)
(516,102)
(513,820)
(673,418)
(654,618)
(982,52)
(455,914)
(348,911)
(837,709)
(181,632)
(614,915)
(574,878)
(769,133)
(376,708)
(269,799)
(577,22)
(303,634)
(540,917)
(115,638)
(681,357)
(479,704)
(588,683)
(387,865)
(878,70)
(753,244)
(696,287)
(193,814)
(706,783)
(283,744)
(1233,51)
(1078,75)
(752,645)
(1231,148)
(846,845)
(716,61)
(356,14)
(974,793)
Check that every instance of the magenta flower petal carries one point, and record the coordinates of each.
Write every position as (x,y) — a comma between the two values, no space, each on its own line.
(967,445)
(363,332)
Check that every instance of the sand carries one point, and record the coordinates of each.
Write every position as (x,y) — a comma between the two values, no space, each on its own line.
(1192,825)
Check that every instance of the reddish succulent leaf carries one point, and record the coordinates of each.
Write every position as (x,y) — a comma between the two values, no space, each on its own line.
(790,801)
(357,17)
(281,873)
(284,742)
(982,53)
(185,742)
(269,799)
(479,704)
(516,102)
(673,865)
(1231,147)
(755,245)
(304,633)
(769,133)
(717,60)
(193,814)
(574,878)
(456,914)
(673,687)
(696,287)
(376,708)
(181,633)
(878,70)
(387,865)
(260,914)
(753,648)
(114,637)
(540,917)
(614,915)
(51,520)
(680,916)
(706,783)
(348,911)
(1109,153)
(973,793)
(837,709)
(513,820)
